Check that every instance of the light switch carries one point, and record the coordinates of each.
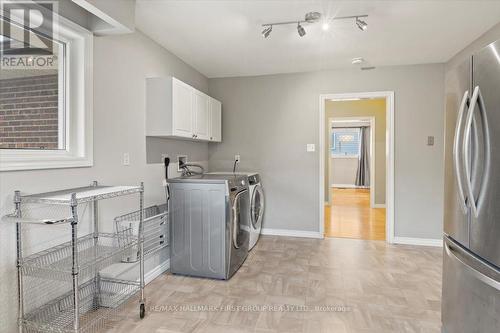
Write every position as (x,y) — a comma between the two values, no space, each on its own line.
(126,159)
(311,147)
(430,141)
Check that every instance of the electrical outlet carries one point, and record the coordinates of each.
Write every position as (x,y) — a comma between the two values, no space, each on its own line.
(237,158)
(126,159)
(311,147)
(430,141)
(163,156)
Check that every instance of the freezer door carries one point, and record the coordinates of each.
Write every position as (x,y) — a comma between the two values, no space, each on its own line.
(485,154)
(471,294)
(456,223)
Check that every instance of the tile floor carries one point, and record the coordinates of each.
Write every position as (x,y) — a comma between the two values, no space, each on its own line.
(375,287)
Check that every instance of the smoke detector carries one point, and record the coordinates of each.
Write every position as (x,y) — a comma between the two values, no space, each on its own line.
(357,61)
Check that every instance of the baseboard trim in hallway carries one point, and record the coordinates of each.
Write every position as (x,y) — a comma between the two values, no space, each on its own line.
(418,241)
(291,233)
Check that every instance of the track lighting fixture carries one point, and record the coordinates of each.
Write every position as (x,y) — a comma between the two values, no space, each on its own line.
(311,18)
(267,31)
(362,25)
(301,30)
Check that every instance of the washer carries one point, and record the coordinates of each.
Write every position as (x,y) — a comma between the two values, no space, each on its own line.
(209,224)
(256,205)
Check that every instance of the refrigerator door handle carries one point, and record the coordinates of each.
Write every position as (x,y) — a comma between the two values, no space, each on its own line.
(456,152)
(476,98)
(472,264)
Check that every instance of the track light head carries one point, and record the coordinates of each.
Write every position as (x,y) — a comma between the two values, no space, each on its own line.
(301,30)
(312,17)
(267,31)
(362,25)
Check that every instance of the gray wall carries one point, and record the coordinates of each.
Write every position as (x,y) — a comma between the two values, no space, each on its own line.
(121,63)
(283,111)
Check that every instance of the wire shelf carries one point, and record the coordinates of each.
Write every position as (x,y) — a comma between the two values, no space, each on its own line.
(156,231)
(94,254)
(83,194)
(99,299)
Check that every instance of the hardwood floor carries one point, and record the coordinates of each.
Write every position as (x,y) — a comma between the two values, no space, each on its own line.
(302,285)
(350,216)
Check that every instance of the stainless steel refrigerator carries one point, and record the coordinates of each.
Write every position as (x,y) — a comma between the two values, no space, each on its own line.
(471,265)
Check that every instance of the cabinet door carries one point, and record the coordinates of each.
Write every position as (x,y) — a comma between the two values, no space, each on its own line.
(215,120)
(201,116)
(182,109)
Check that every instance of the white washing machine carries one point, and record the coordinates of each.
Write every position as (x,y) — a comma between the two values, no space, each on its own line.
(256,204)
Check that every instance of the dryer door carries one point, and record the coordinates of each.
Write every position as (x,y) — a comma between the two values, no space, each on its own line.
(240,219)
(257,207)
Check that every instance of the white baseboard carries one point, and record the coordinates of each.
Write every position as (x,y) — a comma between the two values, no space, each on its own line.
(418,241)
(378,206)
(157,271)
(291,233)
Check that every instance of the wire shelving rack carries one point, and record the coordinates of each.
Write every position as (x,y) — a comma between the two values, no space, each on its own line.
(60,288)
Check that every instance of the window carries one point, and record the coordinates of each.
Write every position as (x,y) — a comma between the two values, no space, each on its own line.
(31,99)
(45,90)
(345,142)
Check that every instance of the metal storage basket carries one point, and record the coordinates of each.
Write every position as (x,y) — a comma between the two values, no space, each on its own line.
(99,301)
(156,231)
(94,254)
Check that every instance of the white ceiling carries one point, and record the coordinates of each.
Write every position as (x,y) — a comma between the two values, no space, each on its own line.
(223,38)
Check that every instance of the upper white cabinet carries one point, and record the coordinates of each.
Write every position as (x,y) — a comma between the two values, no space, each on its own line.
(215,120)
(175,109)
(182,104)
(201,113)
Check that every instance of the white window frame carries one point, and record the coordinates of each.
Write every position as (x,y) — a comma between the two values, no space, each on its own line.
(78,106)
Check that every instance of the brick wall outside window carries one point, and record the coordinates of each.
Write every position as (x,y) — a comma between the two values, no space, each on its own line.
(29,112)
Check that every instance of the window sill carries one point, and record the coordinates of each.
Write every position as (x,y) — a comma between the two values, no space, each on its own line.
(36,160)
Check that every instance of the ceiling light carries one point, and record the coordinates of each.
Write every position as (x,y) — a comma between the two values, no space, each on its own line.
(312,17)
(362,25)
(267,31)
(301,30)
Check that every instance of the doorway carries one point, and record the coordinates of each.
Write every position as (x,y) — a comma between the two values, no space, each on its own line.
(356,165)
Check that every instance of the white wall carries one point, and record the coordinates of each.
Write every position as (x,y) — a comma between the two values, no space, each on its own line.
(121,63)
(284,111)
(343,170)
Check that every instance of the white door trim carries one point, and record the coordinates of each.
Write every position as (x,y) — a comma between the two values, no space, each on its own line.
(389,97)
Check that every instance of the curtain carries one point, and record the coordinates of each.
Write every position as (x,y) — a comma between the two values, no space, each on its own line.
(363,173)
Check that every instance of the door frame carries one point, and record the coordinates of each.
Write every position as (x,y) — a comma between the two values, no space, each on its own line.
(371,120)
(389,132)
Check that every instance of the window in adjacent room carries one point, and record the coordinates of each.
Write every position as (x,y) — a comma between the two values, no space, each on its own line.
(345,142)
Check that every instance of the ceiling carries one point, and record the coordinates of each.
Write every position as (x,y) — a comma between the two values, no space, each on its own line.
(223,38)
